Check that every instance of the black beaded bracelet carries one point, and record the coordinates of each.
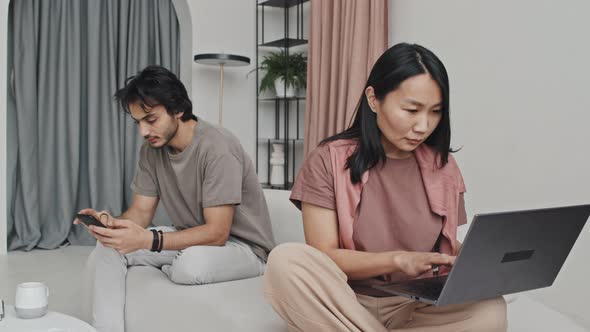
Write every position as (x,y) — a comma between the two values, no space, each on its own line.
(161,244)
(155,241)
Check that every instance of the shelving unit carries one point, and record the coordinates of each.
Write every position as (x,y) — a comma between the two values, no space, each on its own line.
(285,108)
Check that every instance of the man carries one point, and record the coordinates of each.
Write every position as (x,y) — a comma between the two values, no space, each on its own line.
(208,187)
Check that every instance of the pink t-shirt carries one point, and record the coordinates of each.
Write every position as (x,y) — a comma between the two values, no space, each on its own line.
(393,214)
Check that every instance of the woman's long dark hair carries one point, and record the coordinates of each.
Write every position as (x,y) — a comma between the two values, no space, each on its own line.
(397,64)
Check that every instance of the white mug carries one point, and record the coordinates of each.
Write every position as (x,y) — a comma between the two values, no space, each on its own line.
(31,300)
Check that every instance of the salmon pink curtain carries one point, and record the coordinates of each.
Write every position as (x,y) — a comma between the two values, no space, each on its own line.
(346,38)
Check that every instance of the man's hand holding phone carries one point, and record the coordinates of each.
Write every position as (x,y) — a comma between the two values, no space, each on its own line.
(92,219)
(122,235)
(103,217)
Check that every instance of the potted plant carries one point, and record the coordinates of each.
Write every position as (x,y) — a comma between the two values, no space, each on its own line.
(281,69)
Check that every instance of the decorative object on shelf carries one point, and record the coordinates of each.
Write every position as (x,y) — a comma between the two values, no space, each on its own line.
(277,162)
(281,66)
(285,72)
(222,60)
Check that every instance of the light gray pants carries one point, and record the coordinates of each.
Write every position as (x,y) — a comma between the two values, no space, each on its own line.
(192,266)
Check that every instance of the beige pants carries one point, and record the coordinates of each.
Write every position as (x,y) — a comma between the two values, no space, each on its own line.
(311,293)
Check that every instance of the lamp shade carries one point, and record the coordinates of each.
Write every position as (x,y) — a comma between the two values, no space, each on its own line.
(228,60)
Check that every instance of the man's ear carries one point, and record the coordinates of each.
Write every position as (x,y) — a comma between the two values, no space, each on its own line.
(371,98)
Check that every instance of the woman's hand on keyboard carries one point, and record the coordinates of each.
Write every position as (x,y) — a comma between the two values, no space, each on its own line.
(416,263)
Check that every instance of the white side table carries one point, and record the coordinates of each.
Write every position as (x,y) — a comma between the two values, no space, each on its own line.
(51,322)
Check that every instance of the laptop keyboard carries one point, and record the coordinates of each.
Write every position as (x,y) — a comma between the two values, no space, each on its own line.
(428,287)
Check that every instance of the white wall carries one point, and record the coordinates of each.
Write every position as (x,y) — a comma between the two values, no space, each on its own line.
(520,78)
(186,42)
(225,26)
(3,80)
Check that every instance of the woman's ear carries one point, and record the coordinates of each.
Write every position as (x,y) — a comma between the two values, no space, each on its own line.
(371,98)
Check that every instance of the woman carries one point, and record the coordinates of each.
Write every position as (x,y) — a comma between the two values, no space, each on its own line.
(381,202)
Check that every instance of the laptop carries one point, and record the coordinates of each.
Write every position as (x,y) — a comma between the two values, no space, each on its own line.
(502,253)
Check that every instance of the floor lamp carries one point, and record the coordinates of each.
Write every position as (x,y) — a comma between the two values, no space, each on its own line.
(222,60)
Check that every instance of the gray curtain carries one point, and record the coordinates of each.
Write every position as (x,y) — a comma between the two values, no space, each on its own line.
(70,146)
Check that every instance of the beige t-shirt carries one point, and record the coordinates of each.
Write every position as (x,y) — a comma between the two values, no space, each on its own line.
(213,170)
(394,213)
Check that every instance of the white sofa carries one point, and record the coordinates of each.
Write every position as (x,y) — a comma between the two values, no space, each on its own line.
(156,304)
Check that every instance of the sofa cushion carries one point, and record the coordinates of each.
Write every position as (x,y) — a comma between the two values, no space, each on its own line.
(154,303)
(526,314)
(287,223)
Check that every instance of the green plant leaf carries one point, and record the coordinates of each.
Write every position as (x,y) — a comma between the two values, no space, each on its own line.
(291,68)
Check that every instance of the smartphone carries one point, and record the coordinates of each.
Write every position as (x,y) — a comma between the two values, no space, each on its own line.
(88,220)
